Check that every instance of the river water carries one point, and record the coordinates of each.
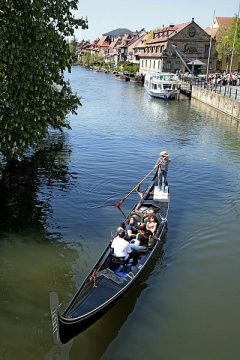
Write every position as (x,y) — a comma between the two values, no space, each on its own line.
(56,219)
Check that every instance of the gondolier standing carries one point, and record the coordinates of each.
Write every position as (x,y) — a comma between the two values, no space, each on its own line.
(162,165)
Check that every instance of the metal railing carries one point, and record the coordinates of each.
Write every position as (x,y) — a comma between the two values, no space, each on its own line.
(231,91)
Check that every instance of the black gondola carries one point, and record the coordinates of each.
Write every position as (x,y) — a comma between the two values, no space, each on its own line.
(110,278)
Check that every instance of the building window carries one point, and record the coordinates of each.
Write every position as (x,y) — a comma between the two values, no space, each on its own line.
(154,64)
(168,65)
(150,63)
(145,63)
(177,65)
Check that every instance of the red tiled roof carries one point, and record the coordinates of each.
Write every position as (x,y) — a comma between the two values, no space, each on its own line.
(158,40)
(103,42)
(224,20)
(176,27)
(210,31)
(140,42)
(150,54)
(114,43)
(171,29)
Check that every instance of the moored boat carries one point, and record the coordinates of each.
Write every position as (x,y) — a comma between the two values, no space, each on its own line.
(111,277)
(161,84)
(136,79)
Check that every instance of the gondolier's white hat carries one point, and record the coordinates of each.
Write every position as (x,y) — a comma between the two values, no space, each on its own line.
(164,153)
(120,229)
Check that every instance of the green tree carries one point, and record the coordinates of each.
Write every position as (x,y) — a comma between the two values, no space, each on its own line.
(233,36)
(221,43)
(72,48)
(89,60)
(130,68)
(228,39)
(34,53)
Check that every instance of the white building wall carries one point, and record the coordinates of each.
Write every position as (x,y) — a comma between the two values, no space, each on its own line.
(148,65)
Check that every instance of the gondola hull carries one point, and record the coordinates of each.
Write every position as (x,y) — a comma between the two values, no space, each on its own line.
(106,284)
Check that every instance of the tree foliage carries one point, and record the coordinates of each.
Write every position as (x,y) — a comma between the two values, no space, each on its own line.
(129,67)
(233,36)
(88,60)
(228,39)
(34,53)
(221,47)
(72,48)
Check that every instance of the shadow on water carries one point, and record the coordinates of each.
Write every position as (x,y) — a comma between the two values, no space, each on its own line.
(33,261)
(22,206)
(94,342)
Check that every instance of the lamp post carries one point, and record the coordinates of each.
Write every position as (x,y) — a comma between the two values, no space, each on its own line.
(234,39)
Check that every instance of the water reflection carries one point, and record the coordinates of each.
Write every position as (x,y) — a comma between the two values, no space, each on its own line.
(32,264)
(26,188)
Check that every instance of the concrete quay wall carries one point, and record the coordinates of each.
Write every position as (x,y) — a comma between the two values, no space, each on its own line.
(225,104)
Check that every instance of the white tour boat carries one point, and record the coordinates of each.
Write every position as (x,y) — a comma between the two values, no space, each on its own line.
(161,84)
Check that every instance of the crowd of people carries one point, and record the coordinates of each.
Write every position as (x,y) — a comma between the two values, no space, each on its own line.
(217,78)
(224,78)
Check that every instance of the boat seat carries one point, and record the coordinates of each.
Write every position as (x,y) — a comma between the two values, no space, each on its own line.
(117,262)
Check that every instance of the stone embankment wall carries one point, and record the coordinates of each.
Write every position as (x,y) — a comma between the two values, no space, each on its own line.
(222,103)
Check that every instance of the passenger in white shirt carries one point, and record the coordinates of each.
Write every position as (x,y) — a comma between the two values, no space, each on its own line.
(121,246)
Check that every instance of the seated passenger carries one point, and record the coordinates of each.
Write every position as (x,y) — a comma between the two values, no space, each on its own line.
(120,246)
(141,241)
(152,223)
(130,230)
(143,234)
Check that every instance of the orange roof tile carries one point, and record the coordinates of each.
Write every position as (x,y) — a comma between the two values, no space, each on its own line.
(210,31)
(171,29)
(224,20)
(103,42)
(158,40)
(140,42)
(176,27)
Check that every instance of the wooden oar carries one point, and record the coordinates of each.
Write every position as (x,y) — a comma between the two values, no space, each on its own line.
(135,187)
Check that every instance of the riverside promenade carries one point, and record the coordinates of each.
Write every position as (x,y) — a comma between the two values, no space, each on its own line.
(225,99)
(225,104)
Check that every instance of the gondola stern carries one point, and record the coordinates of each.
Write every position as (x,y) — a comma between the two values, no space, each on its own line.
(54,308)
